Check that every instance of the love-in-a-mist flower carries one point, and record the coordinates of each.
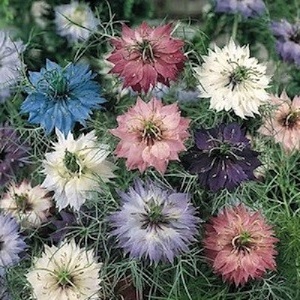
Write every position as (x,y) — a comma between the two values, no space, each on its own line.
(29,205)
(222,157)
(67,272)
(151,134)
(75,21)
(76,169)
(10,63)
(154,223)
(145,56)
(60,97)
(283,123)
(247,8)
(11,243)
(288,40)
(13,153)
(233,80)
(240,245)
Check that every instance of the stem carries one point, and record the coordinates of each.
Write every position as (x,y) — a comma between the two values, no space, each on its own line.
(236,21)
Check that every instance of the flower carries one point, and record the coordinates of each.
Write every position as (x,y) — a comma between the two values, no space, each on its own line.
(66,273)
(75,21)
(145,56)
(29,205)
(247,8)
(4,293)
(151,134)
(11,243)
(284,122)
(222,157)
(10,63)
(39,10)
(154,223)
(59,97)
(288,40)
(240,245)
(75,167)
(233,80)
(13,153)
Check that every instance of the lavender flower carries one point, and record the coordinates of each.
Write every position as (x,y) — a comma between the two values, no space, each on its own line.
(288,40)
(247,8)
(222,157)
(154,223)
(13,153)
(11,244)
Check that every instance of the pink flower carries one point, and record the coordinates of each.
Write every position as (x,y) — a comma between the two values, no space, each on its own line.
(145,56)
(151,134)
(284,123)
(240,245)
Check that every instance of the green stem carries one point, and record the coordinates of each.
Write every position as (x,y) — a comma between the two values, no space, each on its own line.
(236,21)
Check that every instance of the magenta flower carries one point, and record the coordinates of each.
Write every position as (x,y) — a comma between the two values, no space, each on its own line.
(151,134)
(145,56)
(240,245)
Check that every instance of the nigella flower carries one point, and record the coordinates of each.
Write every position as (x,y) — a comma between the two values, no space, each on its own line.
(247,8)
(284,122)
(11,243)
(288,40)
(75,21)
(151,134)
(65,272)
(154,223)
(13,153)
(59,97)
(145,56)
(222,157)
(240,245)
(10,63)
(29,205)
(4,293)
(233,80)
(75,168)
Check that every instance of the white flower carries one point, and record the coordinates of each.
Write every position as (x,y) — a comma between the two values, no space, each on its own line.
(75,21)
(29,205)
(10,62)
(233,80)
(38,10)
(74,168)
(65,273)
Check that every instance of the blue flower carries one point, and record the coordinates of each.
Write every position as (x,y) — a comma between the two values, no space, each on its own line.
(11,243)
(59,97)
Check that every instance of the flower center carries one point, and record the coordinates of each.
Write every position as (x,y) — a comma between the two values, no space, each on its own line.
(22,203)
(146,50)
(239,74)
(71,162)
(79,16)
(242,242)
(2,155)
(291,119)
(57,84)
(151,133)
(154,216)
(1,243)
(64,278)
(296,36)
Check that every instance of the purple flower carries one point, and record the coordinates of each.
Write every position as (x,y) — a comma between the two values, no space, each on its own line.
(247,8)
(13,153)
(11,244)
(222,157)
(288,40)
(154,223)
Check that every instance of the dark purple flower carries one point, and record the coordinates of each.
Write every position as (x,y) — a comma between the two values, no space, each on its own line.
(13,153)
(154,223)
(288,40)
(222,157)
(247,8)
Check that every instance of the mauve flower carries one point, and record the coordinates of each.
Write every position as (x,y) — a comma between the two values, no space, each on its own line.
(11,243)
(145,56)
(154,222)
(247,8)
(284,122)
(222,157)
(288,40)
(13,153)
(151,134)
(240,245)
